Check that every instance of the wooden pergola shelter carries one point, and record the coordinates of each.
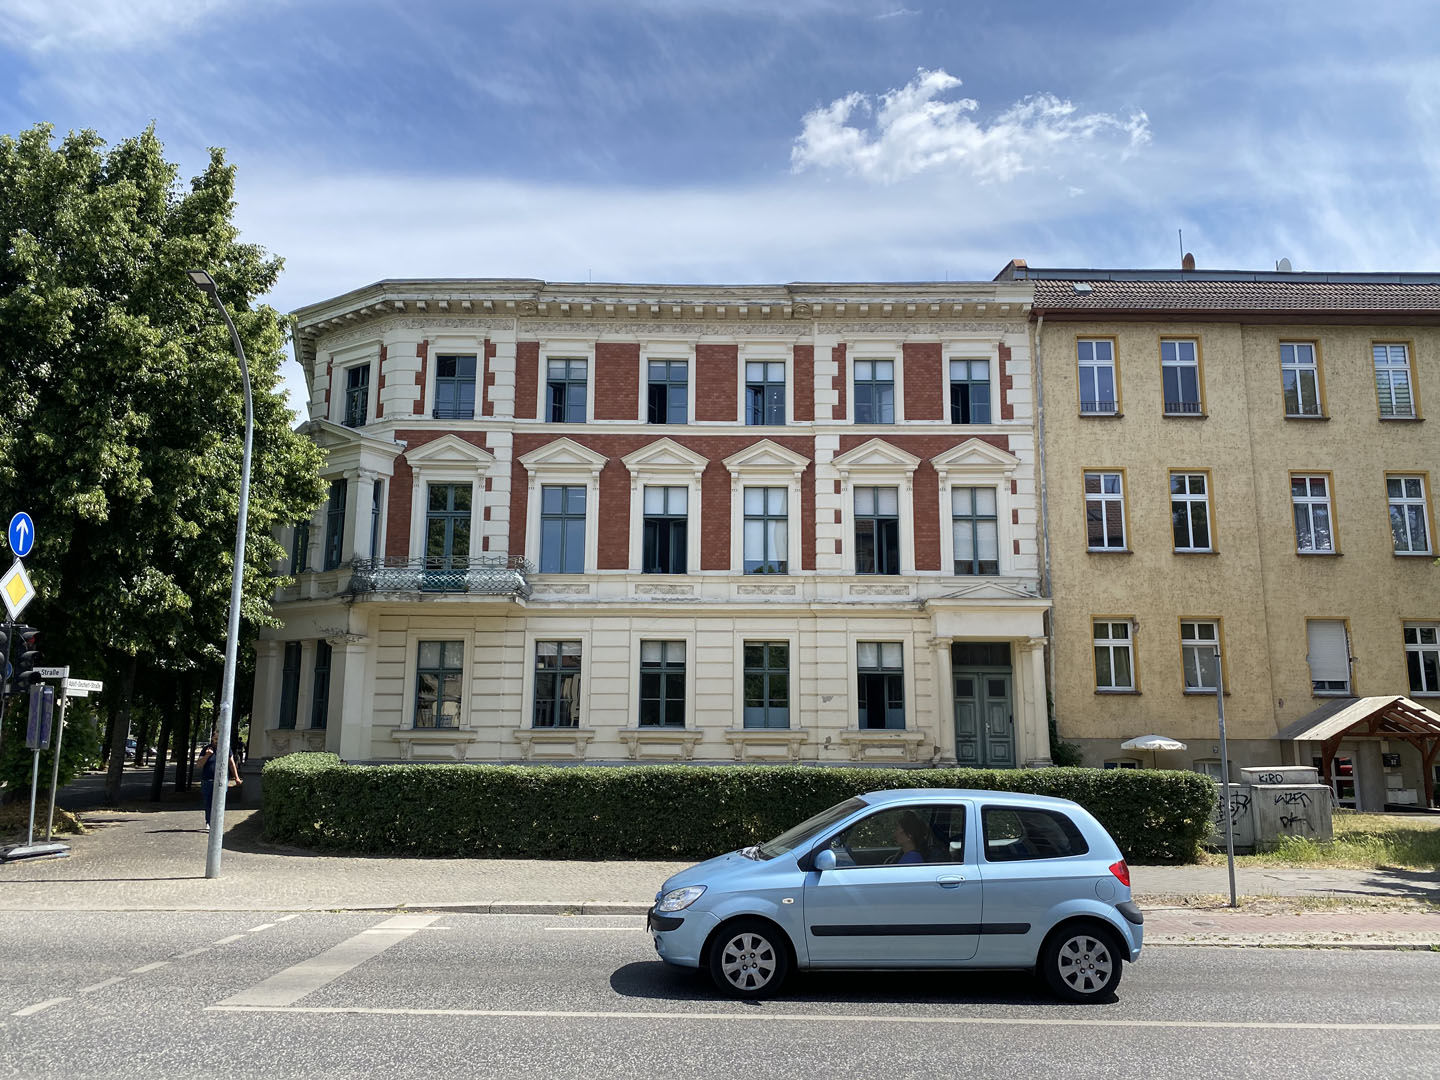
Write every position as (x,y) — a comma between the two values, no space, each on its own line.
(1375,718)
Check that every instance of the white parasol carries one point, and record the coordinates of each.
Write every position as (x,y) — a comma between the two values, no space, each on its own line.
(1152,743)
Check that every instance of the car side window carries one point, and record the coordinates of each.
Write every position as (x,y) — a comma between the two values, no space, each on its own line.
(900,835)
(1021,833)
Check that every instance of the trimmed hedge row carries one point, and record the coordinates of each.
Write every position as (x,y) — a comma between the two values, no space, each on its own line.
(668,811)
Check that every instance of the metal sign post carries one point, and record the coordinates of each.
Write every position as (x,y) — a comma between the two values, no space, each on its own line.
(55,764)
(1225,776)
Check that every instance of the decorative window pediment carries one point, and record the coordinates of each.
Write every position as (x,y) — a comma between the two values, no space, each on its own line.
(449,451)
(876,456)
(564,455)
(665,456)
(975,456)
(767,456)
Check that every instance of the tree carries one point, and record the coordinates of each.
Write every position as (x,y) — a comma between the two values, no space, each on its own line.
(124,408)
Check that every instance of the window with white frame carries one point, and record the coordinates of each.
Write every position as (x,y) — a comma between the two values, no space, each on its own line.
(438,672)
(767,684)
(1105,511)
(1190,511)
(1409,514)
(662,684)
(1210,767)
(1121,763)
(764,393)
(874,391)
(335,524)
(300,547)
(454,388)
(1329,656)
(289,686)
(562,529)
(1200,654)
(1114,656)
(1392,382)
(320,687)
(1180,374)
(1300,378)
(357,396)
(1096,359)
(664,543)
(970,391)
(565,384)
(1422,657)
(877,530)
(975,526)
(557,684)
(1314,526)
(881,669)
(767,530)
(668,391)
(377,517)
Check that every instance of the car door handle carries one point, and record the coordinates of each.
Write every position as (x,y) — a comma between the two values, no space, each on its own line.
(952,882)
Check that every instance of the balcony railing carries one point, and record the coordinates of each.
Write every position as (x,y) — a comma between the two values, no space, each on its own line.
(484,575)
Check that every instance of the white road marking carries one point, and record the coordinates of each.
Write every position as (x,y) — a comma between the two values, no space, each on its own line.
(192,952)
(811,1018)
(262,926)
(101,985)
(287,918)
(149,967)
(593,929)
(228,940)
(39,1006)
(290,985)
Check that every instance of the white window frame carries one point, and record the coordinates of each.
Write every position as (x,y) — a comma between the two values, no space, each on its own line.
(1177,363)
(976,463)
(889,350)
(1196,644)
(1114,366)
(563,462)
(1420,646)
(558,632)
(910,652)
(413,637)
(1189,498)
(668,352)
(454,345)
(1310,639)
(1299,367)
(664,463)
(765,353)
(967,350)
(876,463)
(765,464)
(565,349)
(1103,497)
(1113,643)
(1389,367)
(661,631)
(1405,502)
(341,361)
(1310,502)
(446,460)
(788,636)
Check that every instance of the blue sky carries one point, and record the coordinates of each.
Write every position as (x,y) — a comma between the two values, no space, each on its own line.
(745,140)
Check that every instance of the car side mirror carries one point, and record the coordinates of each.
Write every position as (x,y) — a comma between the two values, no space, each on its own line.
(823,860)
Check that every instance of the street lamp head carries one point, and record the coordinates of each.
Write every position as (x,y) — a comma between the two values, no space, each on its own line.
(201,280)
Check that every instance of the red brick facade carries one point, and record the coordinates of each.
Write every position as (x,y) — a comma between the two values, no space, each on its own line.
(380,386)
(487,403)
(924,398)
(717,396)
(804,383)
(617,381)
(527,376)
(837,383)
(1007,383)
(423,352)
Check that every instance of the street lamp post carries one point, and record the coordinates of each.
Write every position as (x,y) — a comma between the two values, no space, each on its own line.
(1225,805)
(221,762)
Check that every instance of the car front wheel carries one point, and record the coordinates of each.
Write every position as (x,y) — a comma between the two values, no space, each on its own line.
(749,959)
(1081,963)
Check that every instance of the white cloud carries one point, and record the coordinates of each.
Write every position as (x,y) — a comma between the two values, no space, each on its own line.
(914,131)
(895,14)
(45,26)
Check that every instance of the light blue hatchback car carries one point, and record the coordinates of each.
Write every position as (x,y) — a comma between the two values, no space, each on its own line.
(921,878)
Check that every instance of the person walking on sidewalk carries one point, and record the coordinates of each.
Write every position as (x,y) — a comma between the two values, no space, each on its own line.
(206,763)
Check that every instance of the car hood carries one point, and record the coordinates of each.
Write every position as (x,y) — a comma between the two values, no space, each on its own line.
(723,869)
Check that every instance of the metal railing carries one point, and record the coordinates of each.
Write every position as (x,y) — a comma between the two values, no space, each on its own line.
(1101,408)
(483,575)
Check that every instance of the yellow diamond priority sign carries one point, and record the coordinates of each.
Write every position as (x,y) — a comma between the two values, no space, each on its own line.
(16,589)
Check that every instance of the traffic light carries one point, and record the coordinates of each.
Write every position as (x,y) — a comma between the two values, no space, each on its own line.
(27,659)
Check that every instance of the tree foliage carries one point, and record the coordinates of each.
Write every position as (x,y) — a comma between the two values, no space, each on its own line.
(124,408)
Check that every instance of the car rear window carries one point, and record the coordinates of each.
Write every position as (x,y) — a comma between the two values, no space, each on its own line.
(1014,833)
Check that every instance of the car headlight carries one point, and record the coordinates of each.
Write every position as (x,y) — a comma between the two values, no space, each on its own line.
(676,899)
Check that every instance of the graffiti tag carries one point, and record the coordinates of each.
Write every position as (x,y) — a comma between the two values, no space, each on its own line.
(1293,798)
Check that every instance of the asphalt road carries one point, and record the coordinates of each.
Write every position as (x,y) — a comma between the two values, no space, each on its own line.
(207,994)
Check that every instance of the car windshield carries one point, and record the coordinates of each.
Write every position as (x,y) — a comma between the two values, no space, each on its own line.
(793,838)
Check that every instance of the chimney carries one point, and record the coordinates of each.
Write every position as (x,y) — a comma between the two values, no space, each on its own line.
(1188,262)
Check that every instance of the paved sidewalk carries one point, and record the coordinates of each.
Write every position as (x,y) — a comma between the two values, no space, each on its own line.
(154,859)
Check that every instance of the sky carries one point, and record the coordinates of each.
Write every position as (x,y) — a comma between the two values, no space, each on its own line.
(733,141)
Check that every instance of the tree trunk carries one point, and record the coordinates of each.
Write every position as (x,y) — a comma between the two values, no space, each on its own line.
(167,733)
(182,735)
(114,777)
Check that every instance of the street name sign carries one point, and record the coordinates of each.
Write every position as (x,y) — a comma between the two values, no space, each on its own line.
(53,672)
(15,589)
(22,534)
(88,685)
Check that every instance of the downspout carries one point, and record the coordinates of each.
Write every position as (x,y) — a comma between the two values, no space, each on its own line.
(1036,335)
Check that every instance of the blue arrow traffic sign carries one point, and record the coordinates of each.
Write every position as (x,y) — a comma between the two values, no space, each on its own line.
(22,534)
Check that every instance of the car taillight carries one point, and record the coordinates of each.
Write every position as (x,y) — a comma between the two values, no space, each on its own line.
(1121,871)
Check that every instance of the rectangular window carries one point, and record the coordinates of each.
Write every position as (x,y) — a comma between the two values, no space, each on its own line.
(767,684)
(1314,532)
(881,668)
(970,391)
(877,530)
(874,391)
(664,541)
(335,524)
(1096,358)
(454,388)
(1180,373)
(1422,657)
(300,547)
(565,391)
(557,684)
(1105,511)
(668,391)
(1300,378)
(662,684)
(975,525)
(290,686)
(447,536)
(764,393)
(357,395)
(562,529)
(1392,382)
(320,692)
(1114,657)
(377,513)
(767,531)
(1409,516)
(437,684)
(1199,655)
(1190,511)
(1329,656)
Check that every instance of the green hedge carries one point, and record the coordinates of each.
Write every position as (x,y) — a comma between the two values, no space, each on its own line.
(667,811)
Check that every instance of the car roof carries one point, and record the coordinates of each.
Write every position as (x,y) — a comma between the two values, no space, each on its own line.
(1016,798)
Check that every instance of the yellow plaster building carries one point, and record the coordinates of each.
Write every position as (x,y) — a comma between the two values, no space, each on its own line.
(1243,460)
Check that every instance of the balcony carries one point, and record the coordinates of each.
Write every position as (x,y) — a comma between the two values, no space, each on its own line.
(485,575)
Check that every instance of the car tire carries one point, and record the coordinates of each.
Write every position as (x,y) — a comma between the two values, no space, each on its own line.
(1082,962)
(749,959)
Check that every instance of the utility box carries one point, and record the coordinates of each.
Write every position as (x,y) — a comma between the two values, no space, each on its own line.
(1242,818)
(1268,803)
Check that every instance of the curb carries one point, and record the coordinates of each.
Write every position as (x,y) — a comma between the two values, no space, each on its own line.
(521,907)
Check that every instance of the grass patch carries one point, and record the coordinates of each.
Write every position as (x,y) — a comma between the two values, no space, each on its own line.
(1362,842)
(1291,905)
